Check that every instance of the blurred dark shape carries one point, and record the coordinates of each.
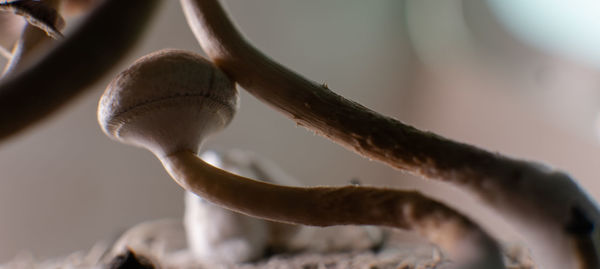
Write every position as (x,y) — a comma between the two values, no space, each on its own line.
(130,260)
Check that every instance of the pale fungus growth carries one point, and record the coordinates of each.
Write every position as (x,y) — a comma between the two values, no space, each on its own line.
(170,101)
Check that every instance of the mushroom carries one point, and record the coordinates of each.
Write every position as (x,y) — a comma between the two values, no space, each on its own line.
(554,214)
(169,101)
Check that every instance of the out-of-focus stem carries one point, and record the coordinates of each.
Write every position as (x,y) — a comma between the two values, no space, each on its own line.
(540,202)
(72,64)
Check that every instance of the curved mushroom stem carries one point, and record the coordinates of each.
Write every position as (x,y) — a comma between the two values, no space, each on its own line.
(538,201)
(326,206)
(73,64)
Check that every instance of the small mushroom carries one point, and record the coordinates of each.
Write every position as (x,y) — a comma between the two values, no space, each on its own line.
(169,101)
(543,204)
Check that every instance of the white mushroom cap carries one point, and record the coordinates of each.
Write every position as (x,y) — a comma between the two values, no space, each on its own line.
(167,101)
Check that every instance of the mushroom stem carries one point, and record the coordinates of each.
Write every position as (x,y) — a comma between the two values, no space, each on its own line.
(539,201)
(73,64)
(466,242)
(316,107)
(169,101)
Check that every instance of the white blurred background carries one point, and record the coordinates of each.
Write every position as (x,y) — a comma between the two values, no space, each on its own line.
(450,67)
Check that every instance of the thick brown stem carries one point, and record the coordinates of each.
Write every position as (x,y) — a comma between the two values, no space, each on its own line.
(73,64)
(316,107)
(539,201)
(326,206)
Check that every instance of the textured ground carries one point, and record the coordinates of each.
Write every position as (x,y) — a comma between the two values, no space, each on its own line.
(167,250)
(396,254)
